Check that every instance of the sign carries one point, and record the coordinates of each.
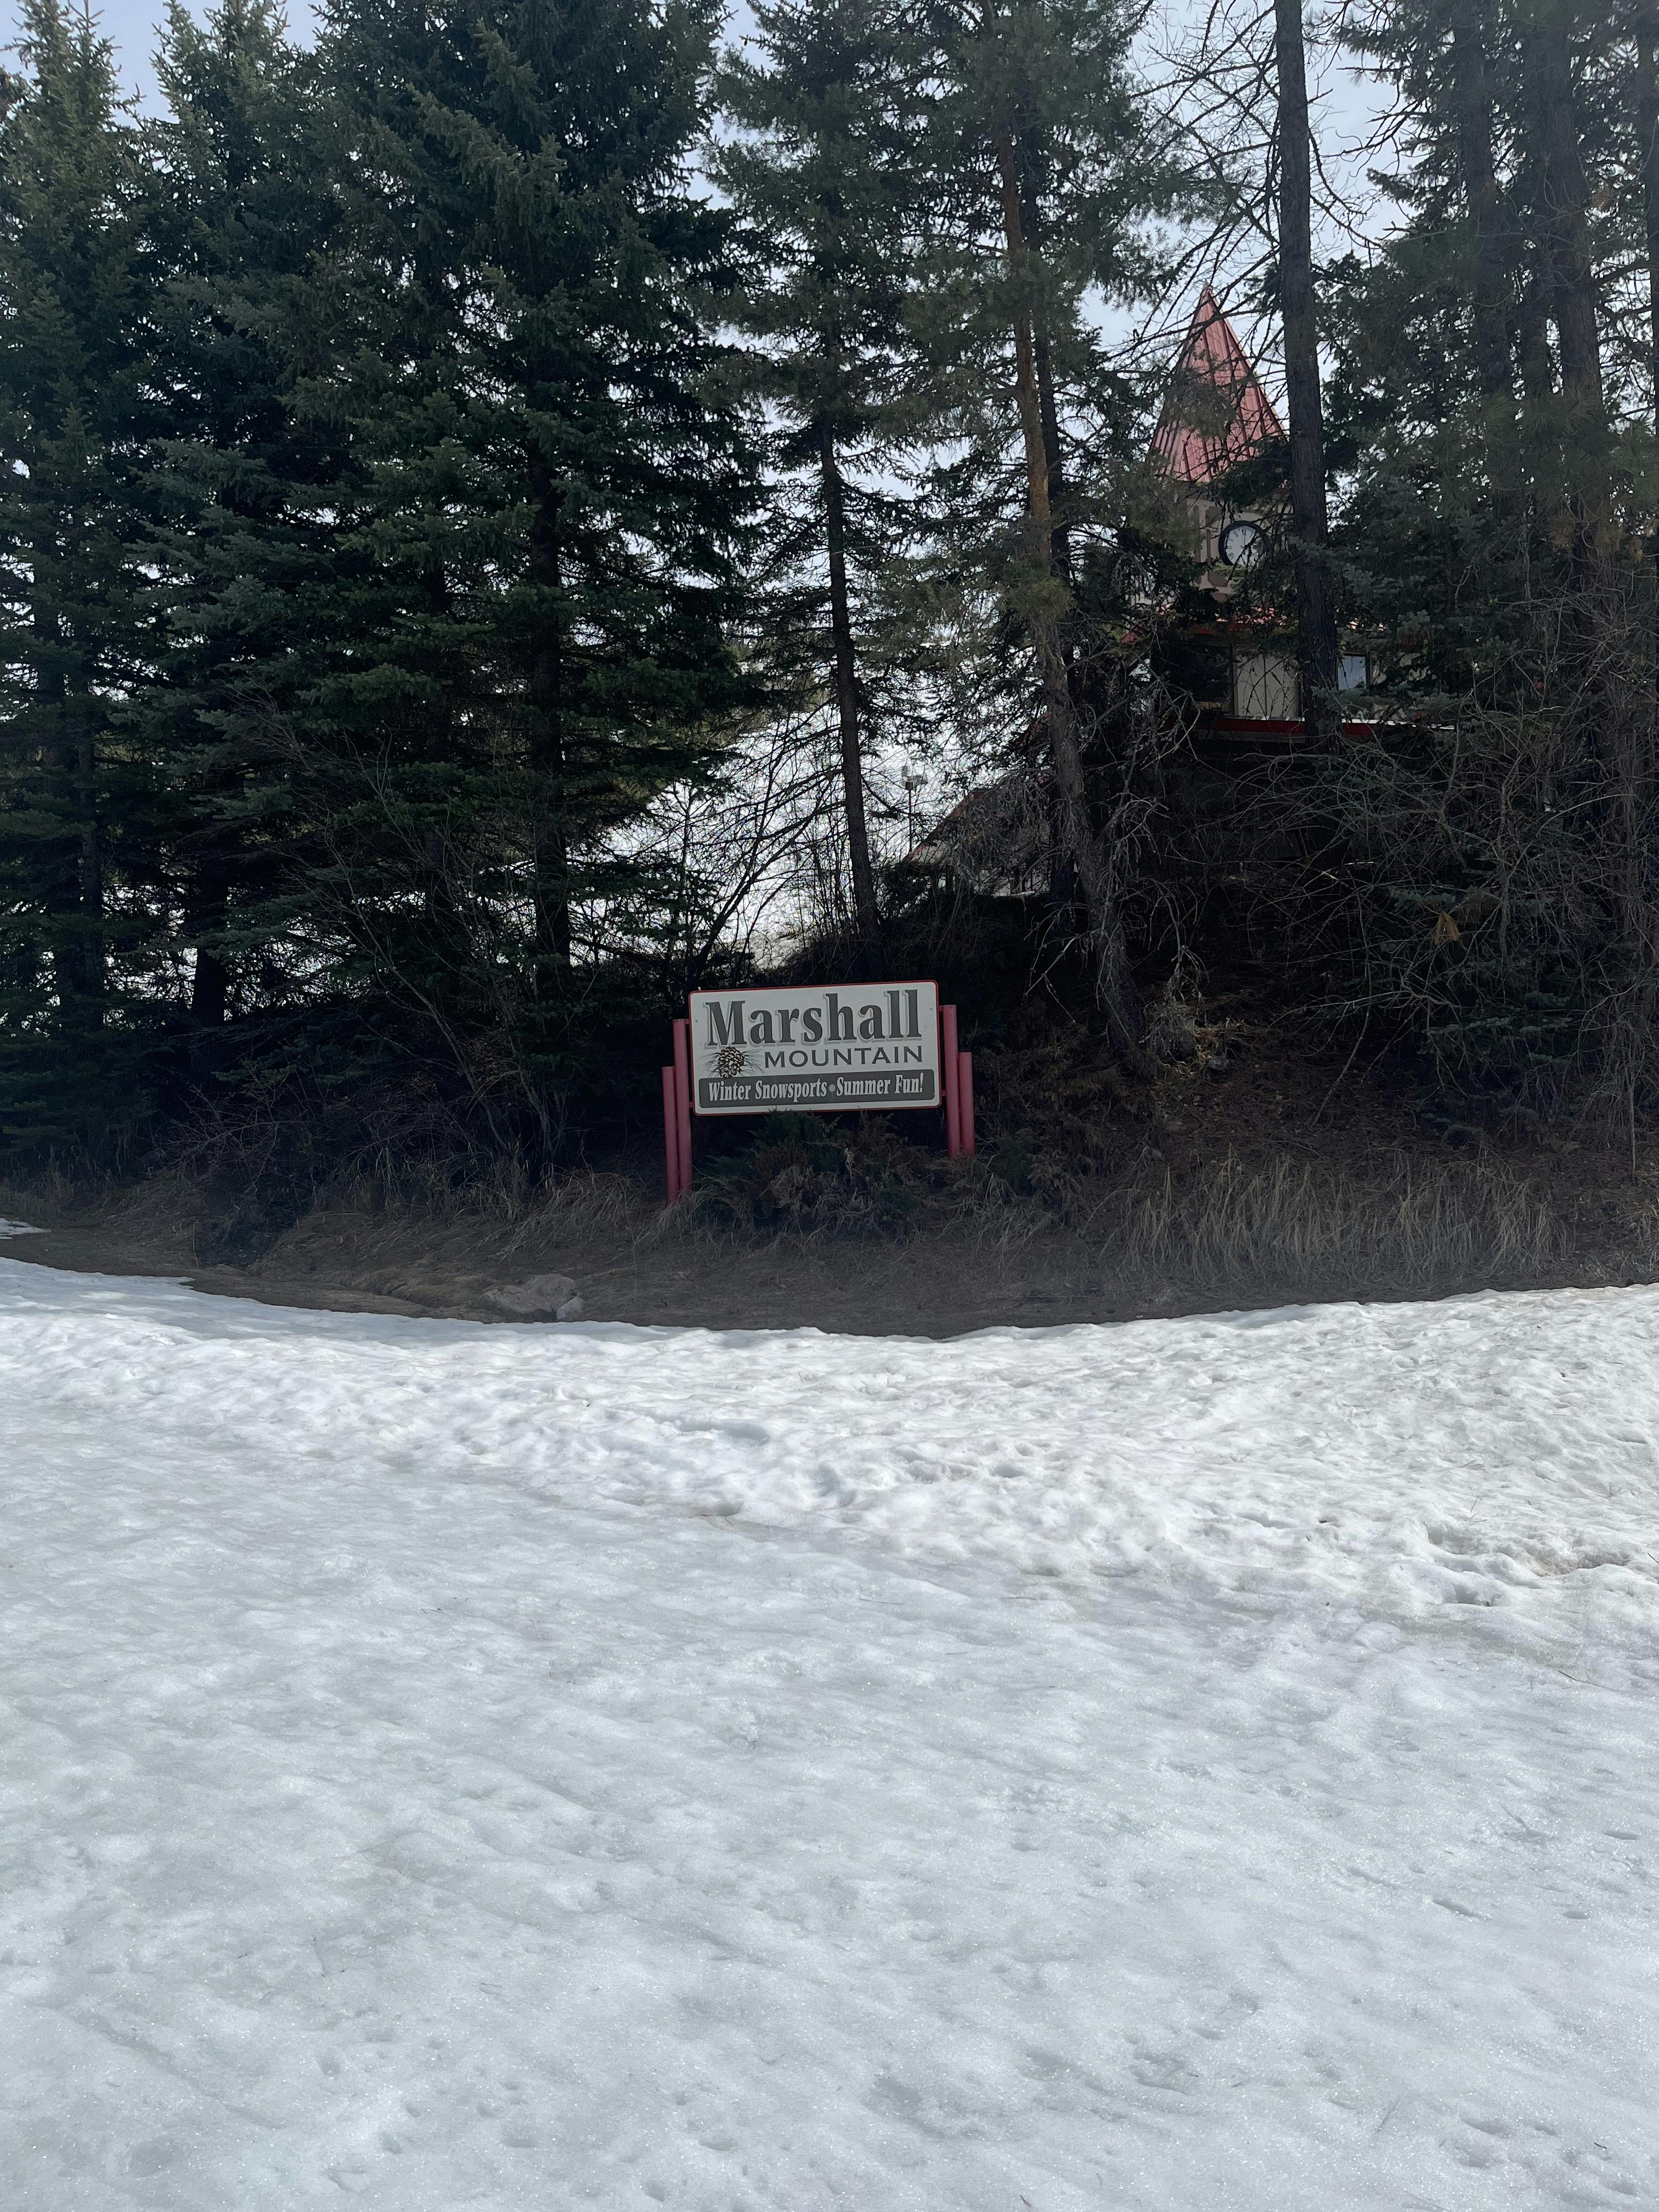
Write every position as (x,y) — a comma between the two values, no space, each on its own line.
(826,1050)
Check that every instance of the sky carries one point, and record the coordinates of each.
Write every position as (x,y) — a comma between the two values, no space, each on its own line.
(1344,107)
(130,25)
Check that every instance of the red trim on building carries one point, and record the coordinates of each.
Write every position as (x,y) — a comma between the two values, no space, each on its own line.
(1234,726)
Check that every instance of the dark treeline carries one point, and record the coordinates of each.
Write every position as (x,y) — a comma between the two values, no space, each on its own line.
(490,497)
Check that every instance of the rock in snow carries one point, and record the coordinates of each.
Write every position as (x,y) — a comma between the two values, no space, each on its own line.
(539,1298)
(1187,1766)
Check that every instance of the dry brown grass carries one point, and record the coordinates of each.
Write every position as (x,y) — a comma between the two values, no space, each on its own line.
(585,1208)
(1289,1227)
(1278,1226)
(896,1241)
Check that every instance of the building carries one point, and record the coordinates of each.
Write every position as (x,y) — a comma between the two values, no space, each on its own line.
(1225,650)
(1229,651)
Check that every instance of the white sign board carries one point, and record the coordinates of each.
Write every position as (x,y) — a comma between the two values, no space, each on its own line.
(821,1051)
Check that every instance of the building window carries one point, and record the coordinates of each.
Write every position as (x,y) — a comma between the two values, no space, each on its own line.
(1265,688)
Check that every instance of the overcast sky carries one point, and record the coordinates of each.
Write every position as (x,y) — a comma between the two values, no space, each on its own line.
(130,25)
(1344,108)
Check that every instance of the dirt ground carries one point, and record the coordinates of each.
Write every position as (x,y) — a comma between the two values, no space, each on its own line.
(991,1246)
(359,1262)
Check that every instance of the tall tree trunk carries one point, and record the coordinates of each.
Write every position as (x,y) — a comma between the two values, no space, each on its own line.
(1620,739)
(551,855)
(1647,102)
(1532,342)
(80,766)
(1315,605)
(209,902)
(91,858)
(69,876)
(1114,988)
(1060,536)
(1483,197)
(846,693)
(1639,786)
(1647,120)
(1491,299)
(1563,213)
(1647,116)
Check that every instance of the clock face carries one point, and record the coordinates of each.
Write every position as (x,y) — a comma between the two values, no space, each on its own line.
(1241,545)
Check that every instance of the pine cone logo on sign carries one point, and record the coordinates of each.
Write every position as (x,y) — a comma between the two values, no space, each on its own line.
(731,1062)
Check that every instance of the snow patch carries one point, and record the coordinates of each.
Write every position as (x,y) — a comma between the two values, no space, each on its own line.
(1499,1450)
(1186,1764)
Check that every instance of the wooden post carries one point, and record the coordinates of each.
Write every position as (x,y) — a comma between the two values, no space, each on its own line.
(948,1074)
(965,1100)
(682,1098)
(671,1136)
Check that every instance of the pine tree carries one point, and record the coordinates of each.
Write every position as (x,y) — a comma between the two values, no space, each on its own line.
(1045,180)
(1316,607)
(543,551)
(75,416)
(1489,524)
(1480,335)
(819,168)
(242,203)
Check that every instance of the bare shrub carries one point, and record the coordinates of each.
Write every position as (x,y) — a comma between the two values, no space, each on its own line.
(798,1178)
(1171,1032)
(1478,880)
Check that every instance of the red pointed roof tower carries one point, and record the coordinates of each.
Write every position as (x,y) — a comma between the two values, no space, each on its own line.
(1217,414)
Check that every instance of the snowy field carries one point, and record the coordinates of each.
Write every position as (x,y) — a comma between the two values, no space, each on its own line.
(1169,1768)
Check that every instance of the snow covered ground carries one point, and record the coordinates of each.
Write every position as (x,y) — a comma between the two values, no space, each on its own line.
(1193,1765)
